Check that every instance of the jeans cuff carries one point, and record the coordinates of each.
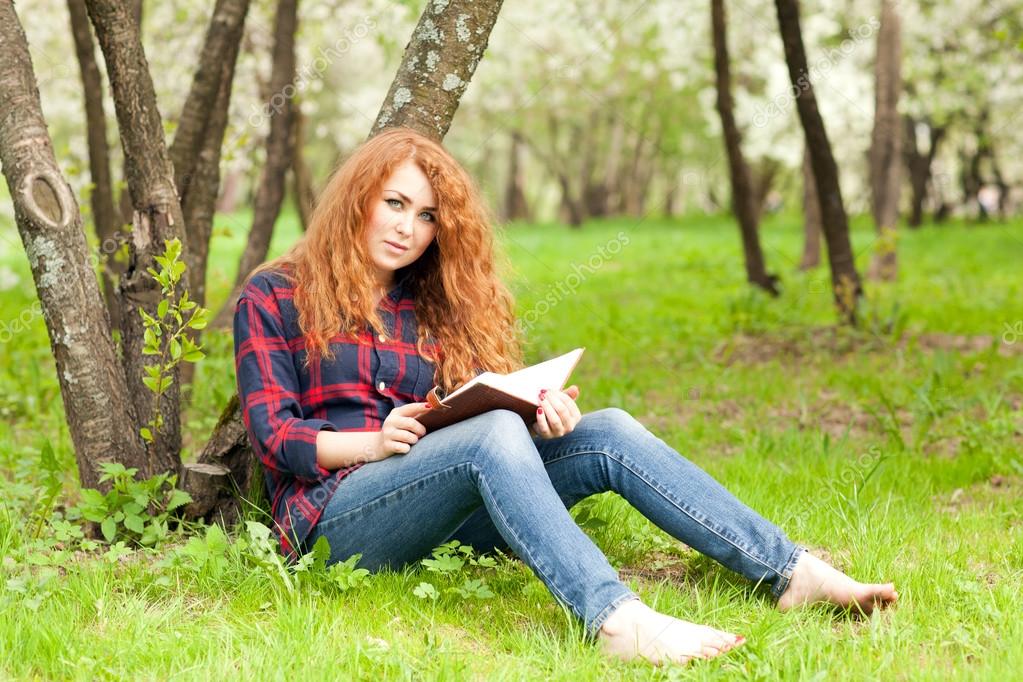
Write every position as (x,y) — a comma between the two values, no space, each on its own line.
(782,583)
(593,627)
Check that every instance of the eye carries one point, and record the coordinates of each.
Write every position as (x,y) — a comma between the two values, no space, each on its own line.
(428,217)
(393,203)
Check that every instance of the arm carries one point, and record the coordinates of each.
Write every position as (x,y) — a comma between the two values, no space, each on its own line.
(268,390)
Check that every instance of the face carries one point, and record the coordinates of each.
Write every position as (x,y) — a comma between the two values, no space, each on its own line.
(402,221)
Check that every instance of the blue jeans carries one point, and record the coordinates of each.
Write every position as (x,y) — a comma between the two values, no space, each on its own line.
(487,483)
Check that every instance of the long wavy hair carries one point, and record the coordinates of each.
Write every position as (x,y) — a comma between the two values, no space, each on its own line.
(465,313)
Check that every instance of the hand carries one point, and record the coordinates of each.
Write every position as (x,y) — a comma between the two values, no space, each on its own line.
(558,414)
(400,430)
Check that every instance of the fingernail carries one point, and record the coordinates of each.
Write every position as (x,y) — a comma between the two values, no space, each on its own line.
(429,406)
(539,410)
(543,392)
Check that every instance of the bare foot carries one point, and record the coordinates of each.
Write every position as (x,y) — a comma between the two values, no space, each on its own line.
(814,580)
(634,629)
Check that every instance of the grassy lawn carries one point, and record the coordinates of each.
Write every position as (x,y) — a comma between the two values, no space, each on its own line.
(894,450)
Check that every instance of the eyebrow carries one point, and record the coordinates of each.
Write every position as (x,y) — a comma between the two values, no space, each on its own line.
(409,201)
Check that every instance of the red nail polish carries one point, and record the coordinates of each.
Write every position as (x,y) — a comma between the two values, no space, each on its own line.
(539,410)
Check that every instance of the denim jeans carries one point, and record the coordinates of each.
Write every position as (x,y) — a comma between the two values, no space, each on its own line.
(487,483)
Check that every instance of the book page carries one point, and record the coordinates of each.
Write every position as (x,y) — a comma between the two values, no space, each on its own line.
(527,382)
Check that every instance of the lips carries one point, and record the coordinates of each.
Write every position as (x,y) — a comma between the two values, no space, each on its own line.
(397,246)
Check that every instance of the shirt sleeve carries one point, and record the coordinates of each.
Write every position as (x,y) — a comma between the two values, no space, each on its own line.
(268,390)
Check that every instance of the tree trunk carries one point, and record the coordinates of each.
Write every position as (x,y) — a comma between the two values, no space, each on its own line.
(228,446)
(157,217)
(811,218)
(441,57)
(92,381)
(301,176)
(919,165)
(105,216)
(886,143)
(743,200)
(270,188)
(195,152)
(515,205)
(845,280)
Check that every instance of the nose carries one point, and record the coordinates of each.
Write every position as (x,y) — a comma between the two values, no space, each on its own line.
(405,223)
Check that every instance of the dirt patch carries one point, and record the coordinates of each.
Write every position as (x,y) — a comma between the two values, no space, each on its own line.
(997,487)
(838,343)
(657,567)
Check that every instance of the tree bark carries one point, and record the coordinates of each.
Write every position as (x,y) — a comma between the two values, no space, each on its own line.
(92,381)
(919,165)
(106,218)
(886,143)
(228,446)
(744,203)
(157,217)
(440,60)
(279,147)
(199,138)
(301,176)
(845,280)
(811,257)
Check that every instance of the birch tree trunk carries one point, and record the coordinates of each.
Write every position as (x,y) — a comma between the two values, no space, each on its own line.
(744,200)
(845,280)
(886,143)
(92,382)
(440,60)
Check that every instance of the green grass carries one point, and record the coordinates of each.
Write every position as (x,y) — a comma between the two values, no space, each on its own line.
(894,449)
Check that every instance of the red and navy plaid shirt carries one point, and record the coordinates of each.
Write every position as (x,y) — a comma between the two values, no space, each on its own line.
(285,405)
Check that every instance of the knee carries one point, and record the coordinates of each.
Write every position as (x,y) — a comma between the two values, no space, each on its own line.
(502,434)
(615,420)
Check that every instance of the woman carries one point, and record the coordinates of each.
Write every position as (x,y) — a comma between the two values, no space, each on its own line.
(392,289)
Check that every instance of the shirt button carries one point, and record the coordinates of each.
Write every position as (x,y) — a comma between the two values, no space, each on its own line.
(382,338)
(381,385)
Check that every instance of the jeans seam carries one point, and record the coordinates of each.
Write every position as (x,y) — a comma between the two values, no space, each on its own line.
(327,524)
(540,567)
(678,505)
(778,589)
(593,629)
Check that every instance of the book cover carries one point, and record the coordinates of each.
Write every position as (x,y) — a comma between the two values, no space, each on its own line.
(517,391)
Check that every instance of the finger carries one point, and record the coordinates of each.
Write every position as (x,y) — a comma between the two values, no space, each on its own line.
(412,409)
(553,420)
(410,424)
(403,436)
(543,429)
(560,403)
(573,392)
(398,447)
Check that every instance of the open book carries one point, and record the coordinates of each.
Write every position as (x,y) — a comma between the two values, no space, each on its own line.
(518,392)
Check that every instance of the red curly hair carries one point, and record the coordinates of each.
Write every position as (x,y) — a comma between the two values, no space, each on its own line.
(463,308)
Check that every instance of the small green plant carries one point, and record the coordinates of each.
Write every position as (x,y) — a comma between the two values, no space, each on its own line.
(167,335)
(133,511)
(453,561)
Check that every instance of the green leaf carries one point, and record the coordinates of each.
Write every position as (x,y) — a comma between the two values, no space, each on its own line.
(146,434)
(161,309)
(152,383)
(134,523)
(426,591)
(178,498)
(194,355)
(109,529)
(175,349)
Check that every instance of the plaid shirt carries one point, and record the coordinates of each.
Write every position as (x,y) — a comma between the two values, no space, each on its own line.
(285,406)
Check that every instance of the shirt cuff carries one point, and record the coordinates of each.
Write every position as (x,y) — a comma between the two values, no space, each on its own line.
(299,449)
